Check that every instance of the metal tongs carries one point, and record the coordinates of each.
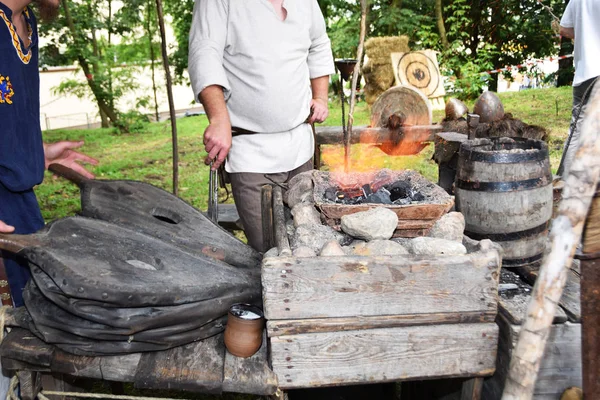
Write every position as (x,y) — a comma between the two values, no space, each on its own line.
(213,194)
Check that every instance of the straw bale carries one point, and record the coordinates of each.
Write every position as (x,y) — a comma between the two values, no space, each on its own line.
(378,71)
(380,48)
(381,76)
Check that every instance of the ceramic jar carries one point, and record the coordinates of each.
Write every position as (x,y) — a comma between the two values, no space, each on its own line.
(243,333)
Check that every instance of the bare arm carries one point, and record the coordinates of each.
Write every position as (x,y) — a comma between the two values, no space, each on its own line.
(217,136)
(319,102)
(569,33)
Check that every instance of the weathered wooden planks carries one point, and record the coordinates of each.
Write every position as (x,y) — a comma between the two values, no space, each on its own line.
(22,345)
(112,368)
(196,367)
(317,325)
(560,368)
(380,355)
(250,375)
(299,288)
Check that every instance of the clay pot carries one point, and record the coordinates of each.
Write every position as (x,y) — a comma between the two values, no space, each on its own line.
(243,333)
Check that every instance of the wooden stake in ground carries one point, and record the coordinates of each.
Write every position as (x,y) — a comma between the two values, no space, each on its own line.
(359,56)
(165,58)
(565,235)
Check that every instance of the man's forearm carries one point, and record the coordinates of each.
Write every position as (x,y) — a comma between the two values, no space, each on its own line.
(320,87)
(569,33)
(213,100)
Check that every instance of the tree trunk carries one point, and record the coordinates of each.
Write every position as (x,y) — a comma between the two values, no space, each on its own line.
(96,68)
(96,89)
(565,235)
(392,29)
(149,19)
(439,16)
(165,57)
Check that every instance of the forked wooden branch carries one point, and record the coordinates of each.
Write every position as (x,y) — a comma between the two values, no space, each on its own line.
(565,235)
(359,56)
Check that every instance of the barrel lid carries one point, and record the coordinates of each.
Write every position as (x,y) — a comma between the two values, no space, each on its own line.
(498,150)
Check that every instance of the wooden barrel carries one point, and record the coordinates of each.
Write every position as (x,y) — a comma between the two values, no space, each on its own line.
(503,188)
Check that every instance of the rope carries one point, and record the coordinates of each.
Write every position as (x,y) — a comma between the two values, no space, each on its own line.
(42,396)
(3,310)
(14,383)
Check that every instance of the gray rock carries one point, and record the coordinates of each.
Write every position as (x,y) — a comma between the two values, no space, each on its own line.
(271,253)
(434,246)
(385,248)
(376,223)
(306,214)
(351,248)
(300,190)
(450,227)
(332,248)
(289,227)
(314,237)
(304,251)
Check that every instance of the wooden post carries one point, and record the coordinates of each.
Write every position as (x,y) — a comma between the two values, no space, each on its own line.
(281,239)
(267,216)
(565,235)
(165,57)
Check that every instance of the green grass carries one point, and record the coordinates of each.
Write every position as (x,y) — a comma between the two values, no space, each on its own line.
(146,156)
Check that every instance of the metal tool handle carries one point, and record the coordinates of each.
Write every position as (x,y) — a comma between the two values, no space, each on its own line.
(213,195)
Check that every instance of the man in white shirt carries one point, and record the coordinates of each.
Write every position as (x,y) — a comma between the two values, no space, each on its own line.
(259,67)
(580,22)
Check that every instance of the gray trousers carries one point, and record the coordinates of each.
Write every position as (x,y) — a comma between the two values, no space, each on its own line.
(581,95)
(246,188)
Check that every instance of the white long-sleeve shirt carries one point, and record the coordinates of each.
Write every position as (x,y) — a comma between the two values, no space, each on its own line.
(264,66)
(584,17)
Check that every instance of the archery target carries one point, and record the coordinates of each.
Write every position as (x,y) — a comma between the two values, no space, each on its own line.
(420,70)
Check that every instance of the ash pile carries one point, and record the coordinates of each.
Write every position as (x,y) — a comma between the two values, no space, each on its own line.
(142,271)
(367,229)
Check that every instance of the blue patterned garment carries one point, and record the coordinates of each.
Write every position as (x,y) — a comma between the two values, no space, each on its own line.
(21,148)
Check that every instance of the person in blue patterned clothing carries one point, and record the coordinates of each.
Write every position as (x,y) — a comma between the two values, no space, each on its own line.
(23,155)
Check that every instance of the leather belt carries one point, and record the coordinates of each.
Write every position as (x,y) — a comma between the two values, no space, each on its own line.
(236,131)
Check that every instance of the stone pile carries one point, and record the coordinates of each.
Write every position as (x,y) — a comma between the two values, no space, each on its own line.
(366,233)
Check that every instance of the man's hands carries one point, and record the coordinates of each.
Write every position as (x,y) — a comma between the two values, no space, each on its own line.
(4,228)
(319,110)
(217,137)
(217,142)
(63,153)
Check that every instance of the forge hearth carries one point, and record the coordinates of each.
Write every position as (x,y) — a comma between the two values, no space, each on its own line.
(417,201)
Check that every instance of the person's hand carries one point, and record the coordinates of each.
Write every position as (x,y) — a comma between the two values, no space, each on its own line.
(217,142)
(4,228)
(63,153)
(319,110)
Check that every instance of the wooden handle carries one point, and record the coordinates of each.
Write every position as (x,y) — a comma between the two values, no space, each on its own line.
(68,173)
(16,243)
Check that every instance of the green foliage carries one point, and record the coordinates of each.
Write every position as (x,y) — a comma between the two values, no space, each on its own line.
(181,15)
(135,121)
